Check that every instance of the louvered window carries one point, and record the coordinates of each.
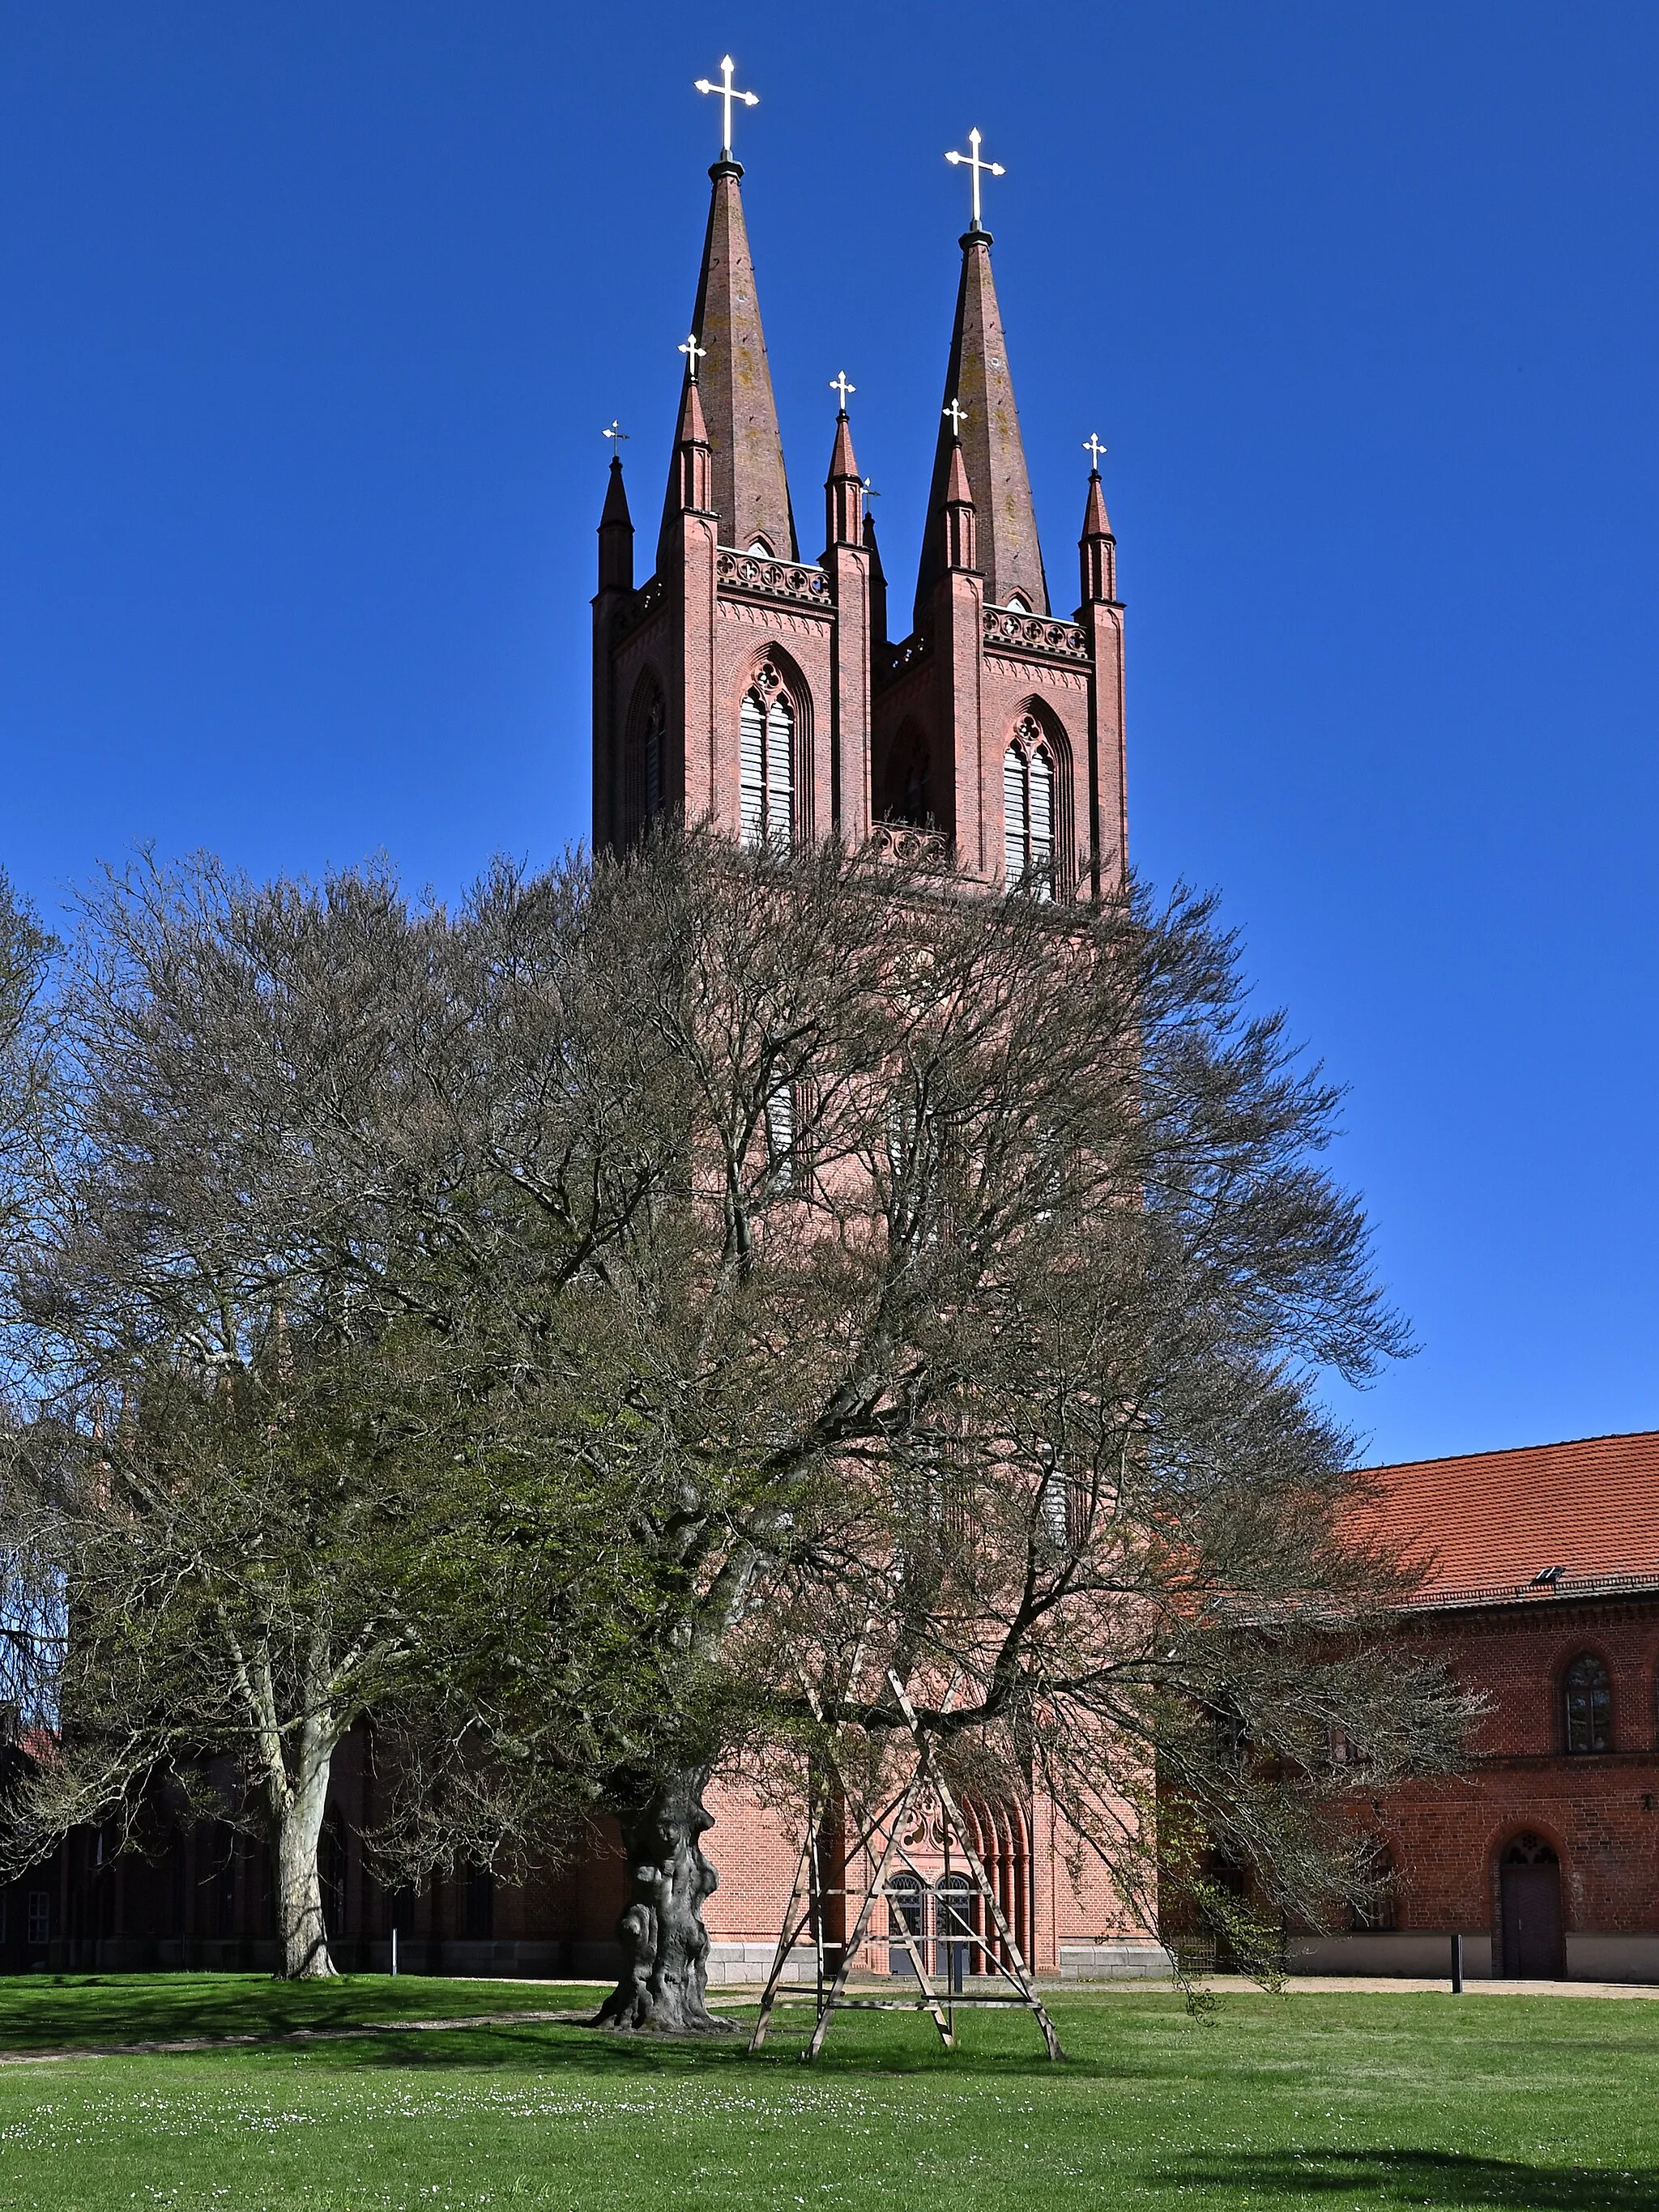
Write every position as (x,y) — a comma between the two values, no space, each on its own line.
(1028,813)
(1014,817)
(1039,776)
(767,747)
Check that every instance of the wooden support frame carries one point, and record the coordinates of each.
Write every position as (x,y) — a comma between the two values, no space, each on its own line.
(883,1829)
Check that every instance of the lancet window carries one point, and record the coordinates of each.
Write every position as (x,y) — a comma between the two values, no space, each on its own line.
(780,1134)
(1587,1705)
(766,732)
(647,756)
(651,762)
(1028,808)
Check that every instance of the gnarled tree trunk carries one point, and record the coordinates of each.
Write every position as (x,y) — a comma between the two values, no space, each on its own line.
(665,1945)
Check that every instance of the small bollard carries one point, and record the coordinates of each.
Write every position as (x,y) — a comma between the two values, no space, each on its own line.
(394,1952)
(1457,1966)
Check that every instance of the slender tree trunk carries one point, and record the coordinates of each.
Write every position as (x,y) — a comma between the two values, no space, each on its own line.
(299,1825)
(664,1943)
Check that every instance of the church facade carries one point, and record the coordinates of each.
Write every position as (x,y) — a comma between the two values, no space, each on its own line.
(741,684)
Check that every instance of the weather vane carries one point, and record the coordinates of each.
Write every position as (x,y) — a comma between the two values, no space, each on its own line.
(728,92)
(956,413)
(1093,446)
(694,353)
(979,169)
(840,383)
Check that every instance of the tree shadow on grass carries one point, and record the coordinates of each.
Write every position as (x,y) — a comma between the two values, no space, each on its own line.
(544,2049)
(1423,2177)
(95,2012)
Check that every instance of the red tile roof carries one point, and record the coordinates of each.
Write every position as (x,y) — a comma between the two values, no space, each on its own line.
(1489,1524)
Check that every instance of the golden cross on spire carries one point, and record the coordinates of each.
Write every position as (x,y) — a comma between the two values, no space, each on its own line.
(728,92)
(956,412)
(694,353)
(1093,446)
(978,168)
(840,383)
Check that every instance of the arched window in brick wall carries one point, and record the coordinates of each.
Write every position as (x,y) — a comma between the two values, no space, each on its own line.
(766,735)
(1027,811)
(1374,1908)
(1586,1705)
(647,755)
(651,765)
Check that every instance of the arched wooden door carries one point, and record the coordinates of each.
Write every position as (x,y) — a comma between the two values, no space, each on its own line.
(1530,1886)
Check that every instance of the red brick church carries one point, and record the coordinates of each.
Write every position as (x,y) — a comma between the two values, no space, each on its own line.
(766,692)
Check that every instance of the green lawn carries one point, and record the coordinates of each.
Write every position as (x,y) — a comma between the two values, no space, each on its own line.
(1306,2101)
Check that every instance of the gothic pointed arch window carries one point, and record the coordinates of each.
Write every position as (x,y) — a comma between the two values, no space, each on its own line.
(1586,1705)
(1028,811)
(651,760)
(647,755)
(766,745)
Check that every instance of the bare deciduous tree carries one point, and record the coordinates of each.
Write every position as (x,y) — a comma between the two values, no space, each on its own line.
(625,1325)
(966,1331)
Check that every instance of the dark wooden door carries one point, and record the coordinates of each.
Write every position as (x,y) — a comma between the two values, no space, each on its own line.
(1533,1947)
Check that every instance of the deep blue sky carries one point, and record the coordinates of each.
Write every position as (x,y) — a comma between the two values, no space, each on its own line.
(310,317)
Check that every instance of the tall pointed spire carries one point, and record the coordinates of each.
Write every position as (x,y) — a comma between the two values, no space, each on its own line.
(1097,548)
(843,490)
(978,379)
(751,492)
(616,534)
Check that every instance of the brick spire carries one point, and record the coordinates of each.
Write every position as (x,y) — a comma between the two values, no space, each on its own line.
(1097,548)
(878,581)
(978,378)
(616,534)
(689,481)
(844,490)
(958,520)
(751,492)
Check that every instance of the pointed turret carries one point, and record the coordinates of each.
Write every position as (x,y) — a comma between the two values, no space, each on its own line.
(1097,548)
(616,534)
(751,492)
(957,517)
(843,490)
(878,581)
(690,480)
(978,379)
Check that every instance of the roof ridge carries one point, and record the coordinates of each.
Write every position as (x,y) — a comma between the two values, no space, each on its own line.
(1511,1451)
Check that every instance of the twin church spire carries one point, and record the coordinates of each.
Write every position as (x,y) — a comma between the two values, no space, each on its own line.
(887,740)
(750,489)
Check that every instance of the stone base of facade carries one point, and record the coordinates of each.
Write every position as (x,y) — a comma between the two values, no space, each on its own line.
(1114,1962)
(1425,1955)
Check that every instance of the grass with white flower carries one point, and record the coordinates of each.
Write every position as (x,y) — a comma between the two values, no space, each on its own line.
(1523,2103)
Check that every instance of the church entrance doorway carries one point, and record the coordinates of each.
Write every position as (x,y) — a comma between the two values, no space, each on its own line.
(907,1915)
(953,1919)
(1530,1886)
